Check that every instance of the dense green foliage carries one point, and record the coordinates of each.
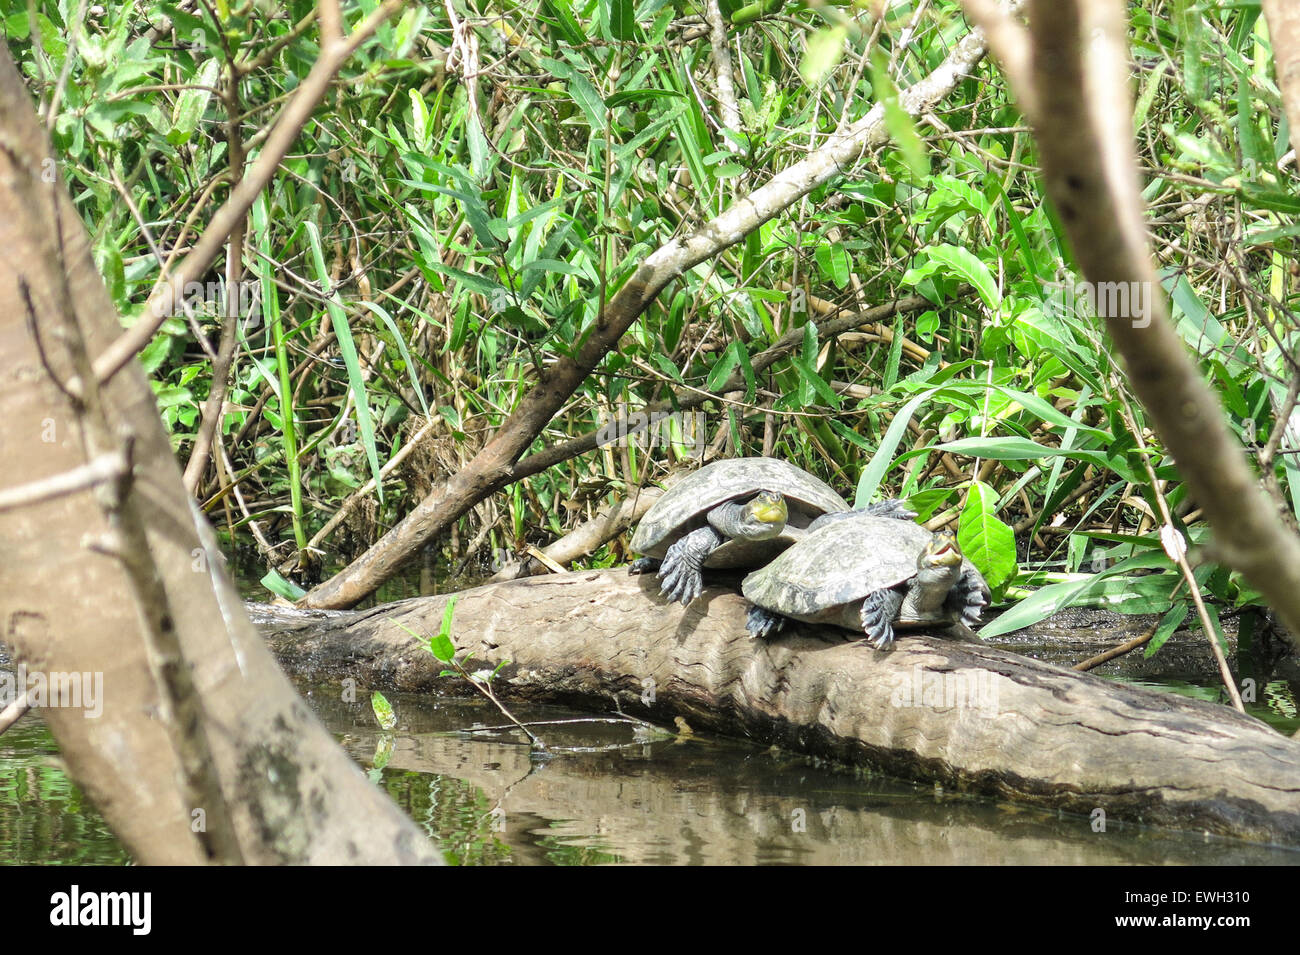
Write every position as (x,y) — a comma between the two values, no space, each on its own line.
(431,243)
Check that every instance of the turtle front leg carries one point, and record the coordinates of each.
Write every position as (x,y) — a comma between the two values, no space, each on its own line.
(679,575)
(878,612)
(763,623)
(968,598)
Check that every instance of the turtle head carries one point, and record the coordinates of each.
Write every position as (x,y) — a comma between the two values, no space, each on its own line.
(938,569)
(941,553)
(765,515)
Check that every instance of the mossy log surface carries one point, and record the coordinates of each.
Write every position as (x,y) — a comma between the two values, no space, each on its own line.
(969,717)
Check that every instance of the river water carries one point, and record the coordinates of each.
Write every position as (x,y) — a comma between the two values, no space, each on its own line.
(616,792)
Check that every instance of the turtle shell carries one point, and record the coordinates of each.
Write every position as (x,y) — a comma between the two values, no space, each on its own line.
(684,507)
(833,568)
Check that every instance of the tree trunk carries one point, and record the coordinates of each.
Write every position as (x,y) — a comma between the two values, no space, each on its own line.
(68,605)
(966,716)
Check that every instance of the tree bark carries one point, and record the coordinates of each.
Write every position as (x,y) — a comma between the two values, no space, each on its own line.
(1284,35)
(969,717)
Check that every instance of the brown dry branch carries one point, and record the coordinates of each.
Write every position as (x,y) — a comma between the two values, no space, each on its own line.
(214,406)
(491,469)
(588,536)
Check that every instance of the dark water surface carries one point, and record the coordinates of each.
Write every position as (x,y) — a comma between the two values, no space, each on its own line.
(619,792)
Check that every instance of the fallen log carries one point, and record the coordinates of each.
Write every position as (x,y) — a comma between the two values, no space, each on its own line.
(966,716)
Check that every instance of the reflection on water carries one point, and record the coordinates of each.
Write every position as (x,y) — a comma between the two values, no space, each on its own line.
(44,818)
(607,796)
(616,792)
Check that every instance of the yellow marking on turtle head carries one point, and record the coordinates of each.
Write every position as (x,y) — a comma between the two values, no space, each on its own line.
(769,508)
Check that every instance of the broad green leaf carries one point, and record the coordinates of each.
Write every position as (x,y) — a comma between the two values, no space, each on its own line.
(441,644)
(824,49)
(622,19)
(722,369)
(834,263)
(966,264)
(902,129)
(986,541)
(1170,622)
(191,103)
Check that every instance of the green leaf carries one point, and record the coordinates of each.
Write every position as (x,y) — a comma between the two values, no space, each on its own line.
(834,263)
(809,375)
(966,264)
(989,543)
(1170,622)
(412,368)
(192,103)
(440,644)
(277,584)
(622,19)
(1048,600)
(902,129)
(1047,412)
(1018,449)
(348,351)
(824,49)
(634,96)
(872,474)
(581,91)
(722,369)
(383,710)
(1038,606)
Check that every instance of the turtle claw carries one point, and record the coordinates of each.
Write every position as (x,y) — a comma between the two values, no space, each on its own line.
(682,584)
(643,565)
(972,612)
(894,507)
(762,623)
(969,599)
(679,574)
(680,581)
(878,612)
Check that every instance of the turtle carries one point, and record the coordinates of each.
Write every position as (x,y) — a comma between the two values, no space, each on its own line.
(867,573)
(733,513)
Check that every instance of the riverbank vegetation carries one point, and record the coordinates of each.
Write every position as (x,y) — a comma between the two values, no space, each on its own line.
(475,188)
